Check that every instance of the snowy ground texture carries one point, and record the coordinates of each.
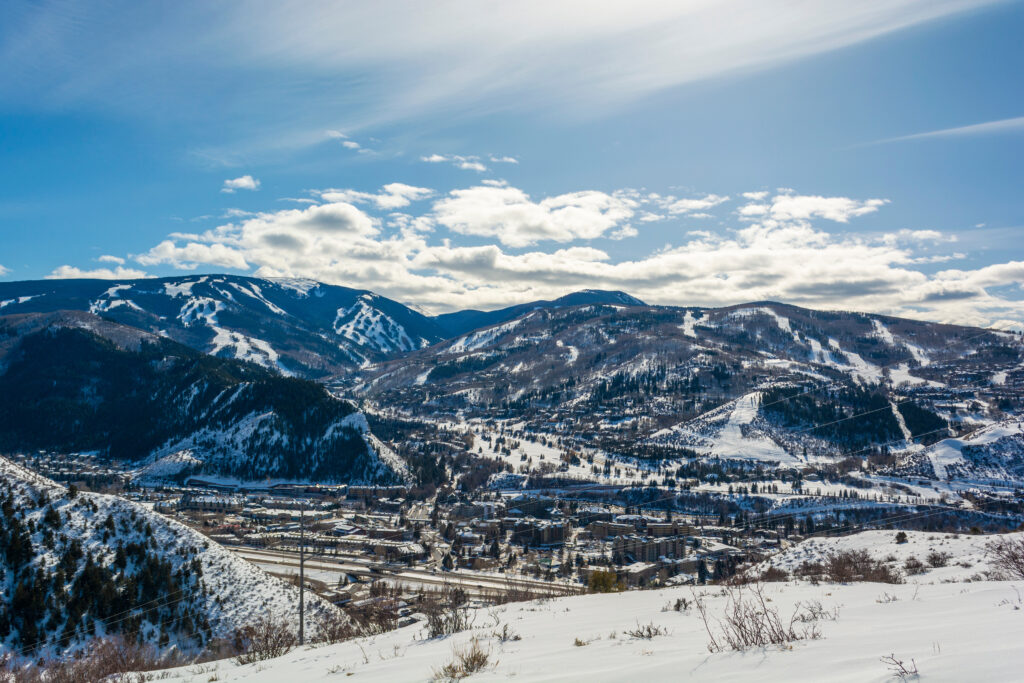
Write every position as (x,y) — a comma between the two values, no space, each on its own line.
(953,631)
(967,560)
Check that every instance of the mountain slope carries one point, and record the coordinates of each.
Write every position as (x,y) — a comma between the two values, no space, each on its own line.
(74,382)
(992,454)
(461,322)
(77,565)
(762,382)
(298,327)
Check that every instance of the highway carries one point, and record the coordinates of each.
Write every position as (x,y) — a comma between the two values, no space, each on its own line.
(328,569)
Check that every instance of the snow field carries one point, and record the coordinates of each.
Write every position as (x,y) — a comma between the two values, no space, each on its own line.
(954,632)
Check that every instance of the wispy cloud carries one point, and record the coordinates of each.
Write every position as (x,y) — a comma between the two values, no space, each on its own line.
(346,141)
(466,163)
(1002,126)
(532,54)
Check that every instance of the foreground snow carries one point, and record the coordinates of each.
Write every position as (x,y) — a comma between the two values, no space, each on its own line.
(954,631)
(966,556)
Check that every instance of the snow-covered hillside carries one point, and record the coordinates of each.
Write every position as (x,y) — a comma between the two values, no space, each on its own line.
(295,327)
(993,453)
(951,631)
(732,431)
(74,382)
(84,564)
(765,383)
(965,556)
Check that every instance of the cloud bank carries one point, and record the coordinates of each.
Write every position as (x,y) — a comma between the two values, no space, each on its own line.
(774,247)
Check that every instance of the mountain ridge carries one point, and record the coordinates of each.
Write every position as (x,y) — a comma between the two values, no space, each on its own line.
(66,386)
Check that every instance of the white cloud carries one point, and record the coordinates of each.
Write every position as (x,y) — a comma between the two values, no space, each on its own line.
(466,163)
(675,205)
(66,272)
(350,144)
(787,206)
(508,214)
(779,256)
(108,258)
(503,159)
(246,182)
(391,196)
(4,270)
(191,255)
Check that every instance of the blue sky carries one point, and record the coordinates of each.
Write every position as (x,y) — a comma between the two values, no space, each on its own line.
(454,154)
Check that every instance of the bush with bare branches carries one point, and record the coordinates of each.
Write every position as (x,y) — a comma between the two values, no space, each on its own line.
(467,661)
(104,657)
(774,574)
(848,566)
(749,621)
(447,614)
(900,668)
(264,639)
(1007,556)
(646,632)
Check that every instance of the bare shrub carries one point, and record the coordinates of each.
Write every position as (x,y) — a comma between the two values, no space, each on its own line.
(900,668)
(937,559)
(815,611)
(647,631)
(264,639)
(506,634)
(1007,556)
(336,627)
(446,614)
(104,657)
(580,643)
(375,618)
(913,566)
(749,621)
(774,574)
(466,661)
(857,565)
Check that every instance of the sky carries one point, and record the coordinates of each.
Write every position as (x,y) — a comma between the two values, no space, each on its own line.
(450,155)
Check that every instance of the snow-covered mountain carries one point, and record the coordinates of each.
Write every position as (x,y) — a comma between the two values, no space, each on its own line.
(461,322)
(77,565)
(296,327)
(763,382)
(75,382)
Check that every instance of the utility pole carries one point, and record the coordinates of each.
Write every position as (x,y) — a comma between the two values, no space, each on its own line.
(302,573)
